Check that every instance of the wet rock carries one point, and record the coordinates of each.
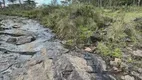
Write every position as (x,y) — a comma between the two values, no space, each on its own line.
(12,40)
(16,61)
(25,39)
(16,26)
(99,63)
(99,67)
(55,49)
(3,28)
(7,61)
(6,77)
(16,32)
(21,40)
(38,68)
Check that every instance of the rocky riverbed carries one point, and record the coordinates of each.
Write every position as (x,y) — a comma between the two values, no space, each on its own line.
(28,51)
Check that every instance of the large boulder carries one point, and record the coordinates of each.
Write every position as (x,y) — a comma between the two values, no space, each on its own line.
(69,67)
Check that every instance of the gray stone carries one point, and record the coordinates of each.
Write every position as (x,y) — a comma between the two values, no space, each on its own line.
(15,63)
(25,39)
(137,75)
(21,40)
(39,68)
(69,67)
(137,53)
(12,40)
(16,26)
(127,77)
(100,63)
(6,77)
(140,70)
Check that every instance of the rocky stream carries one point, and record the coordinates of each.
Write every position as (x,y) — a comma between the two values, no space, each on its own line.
(28,51)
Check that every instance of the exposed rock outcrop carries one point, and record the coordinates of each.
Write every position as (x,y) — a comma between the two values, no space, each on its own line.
(28,53)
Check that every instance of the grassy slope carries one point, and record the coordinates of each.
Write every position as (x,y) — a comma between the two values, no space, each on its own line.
(129,15)
(76,23)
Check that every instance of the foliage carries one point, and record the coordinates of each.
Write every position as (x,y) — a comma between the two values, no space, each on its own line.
(109,50)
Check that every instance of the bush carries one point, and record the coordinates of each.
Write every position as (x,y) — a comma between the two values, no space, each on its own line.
(109,50)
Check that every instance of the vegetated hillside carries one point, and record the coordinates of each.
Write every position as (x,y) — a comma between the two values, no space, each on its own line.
(115,33)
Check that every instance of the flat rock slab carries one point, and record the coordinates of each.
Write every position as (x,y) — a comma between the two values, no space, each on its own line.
(25,39)
(21,40)
(16,32)
(11,40)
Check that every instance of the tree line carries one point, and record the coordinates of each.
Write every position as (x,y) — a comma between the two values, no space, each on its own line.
(104,3)
(28,2)
(98,3)
(112,2)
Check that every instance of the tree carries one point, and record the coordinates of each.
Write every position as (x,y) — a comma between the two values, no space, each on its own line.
(64,2)
(100,3)
(139,2)
(3,3)
(20,2)
(54,2)
(29,2)
(12,1)
(75,1)
(0,4)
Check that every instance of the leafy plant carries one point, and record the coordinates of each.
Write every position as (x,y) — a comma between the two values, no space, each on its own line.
(109,50)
